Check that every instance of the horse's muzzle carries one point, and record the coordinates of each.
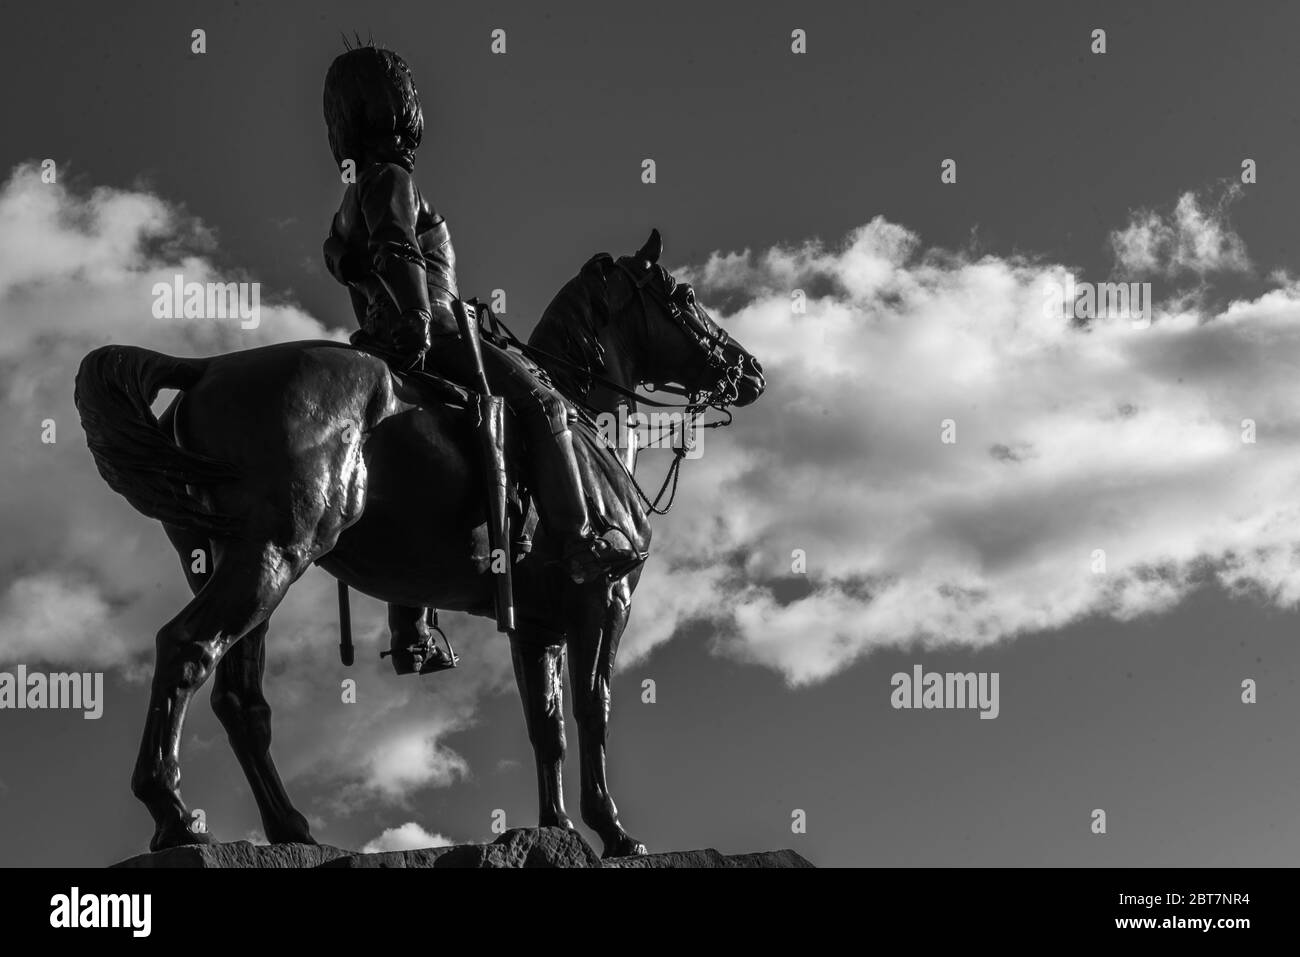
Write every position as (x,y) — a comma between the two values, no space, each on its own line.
(751,383)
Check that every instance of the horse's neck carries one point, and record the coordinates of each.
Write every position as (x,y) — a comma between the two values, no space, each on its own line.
(619,366)
(621,370)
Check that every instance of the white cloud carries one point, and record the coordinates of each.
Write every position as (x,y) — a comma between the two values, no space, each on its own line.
(409,837)
(1191,239)
(412,758)
(1112,437)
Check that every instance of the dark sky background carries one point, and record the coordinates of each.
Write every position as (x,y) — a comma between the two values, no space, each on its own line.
(534,157)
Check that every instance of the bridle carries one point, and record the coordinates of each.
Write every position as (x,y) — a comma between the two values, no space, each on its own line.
(712,342)
(708,337)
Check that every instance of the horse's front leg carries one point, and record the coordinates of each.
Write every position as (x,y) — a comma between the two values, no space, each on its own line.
(539,672)
(597,625)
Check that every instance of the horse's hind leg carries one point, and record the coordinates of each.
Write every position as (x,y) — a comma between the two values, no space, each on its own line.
(246,715)
(246,584)
(244,711)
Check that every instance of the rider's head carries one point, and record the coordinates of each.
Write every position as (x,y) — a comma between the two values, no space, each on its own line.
(372,110)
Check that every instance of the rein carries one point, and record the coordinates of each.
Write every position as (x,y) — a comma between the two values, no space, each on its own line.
(507,336)
(724,392)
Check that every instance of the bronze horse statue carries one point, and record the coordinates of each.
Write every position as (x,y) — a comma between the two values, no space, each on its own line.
(275,458)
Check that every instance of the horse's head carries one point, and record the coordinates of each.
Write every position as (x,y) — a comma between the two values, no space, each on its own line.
(628,322)
(680,347)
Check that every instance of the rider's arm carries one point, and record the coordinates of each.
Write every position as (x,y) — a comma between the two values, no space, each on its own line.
(389,206)
(342,266)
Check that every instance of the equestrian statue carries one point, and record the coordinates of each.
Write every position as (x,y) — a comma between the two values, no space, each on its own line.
(433,462)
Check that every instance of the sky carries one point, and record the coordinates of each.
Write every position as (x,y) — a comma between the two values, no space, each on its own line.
(830,538)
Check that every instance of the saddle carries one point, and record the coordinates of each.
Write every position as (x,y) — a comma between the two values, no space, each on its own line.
(421,387)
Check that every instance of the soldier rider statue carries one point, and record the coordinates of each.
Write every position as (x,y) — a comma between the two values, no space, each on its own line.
(394,253)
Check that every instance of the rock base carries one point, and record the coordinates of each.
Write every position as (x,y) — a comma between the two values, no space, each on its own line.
(519,847)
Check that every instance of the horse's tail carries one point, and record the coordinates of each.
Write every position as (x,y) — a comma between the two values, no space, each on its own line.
(115,387)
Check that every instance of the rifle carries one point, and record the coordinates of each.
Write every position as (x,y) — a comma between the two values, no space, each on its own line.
(492,449)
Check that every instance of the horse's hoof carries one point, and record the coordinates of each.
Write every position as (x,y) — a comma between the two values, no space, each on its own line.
(624,846)
(292,835)
(557,820)
(178,836)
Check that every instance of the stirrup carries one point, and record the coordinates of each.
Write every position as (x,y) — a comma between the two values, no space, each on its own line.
(424,657)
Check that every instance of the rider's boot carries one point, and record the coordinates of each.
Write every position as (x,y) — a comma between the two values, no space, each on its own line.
(411,643)
(585,555)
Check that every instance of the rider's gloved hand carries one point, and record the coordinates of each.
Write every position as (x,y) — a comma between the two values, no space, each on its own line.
(409,333)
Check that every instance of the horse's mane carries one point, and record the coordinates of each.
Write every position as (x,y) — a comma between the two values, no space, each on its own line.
(570,327)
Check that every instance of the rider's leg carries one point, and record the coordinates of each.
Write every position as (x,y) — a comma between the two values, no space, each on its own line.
(555,479)
(542,414)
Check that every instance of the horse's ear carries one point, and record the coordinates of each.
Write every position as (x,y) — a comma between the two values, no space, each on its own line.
(597,263)
(653,248)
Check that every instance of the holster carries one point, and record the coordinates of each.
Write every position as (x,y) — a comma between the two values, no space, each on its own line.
(492,445)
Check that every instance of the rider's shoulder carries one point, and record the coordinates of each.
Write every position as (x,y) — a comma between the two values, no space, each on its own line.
(385,175)
(383,189)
